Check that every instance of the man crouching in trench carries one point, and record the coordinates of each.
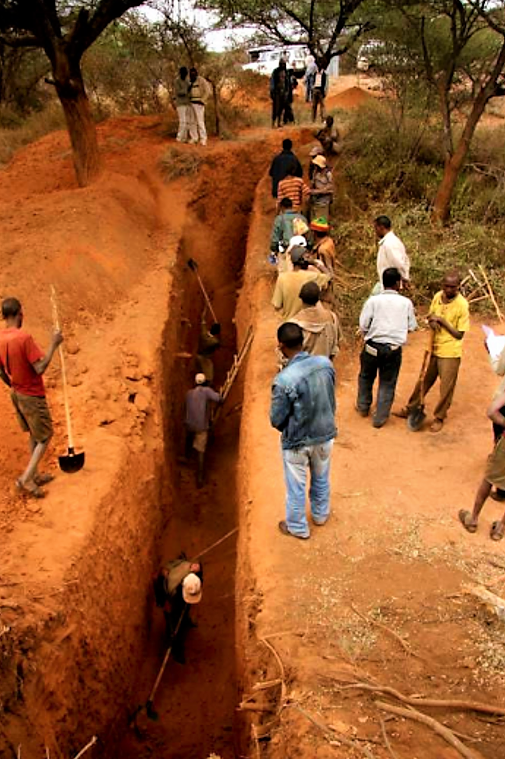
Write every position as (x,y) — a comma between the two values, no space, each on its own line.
(177,586)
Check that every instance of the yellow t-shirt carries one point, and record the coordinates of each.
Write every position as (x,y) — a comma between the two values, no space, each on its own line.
(457,313)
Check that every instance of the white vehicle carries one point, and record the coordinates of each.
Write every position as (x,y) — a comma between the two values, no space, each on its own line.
(368,54)
(265,59)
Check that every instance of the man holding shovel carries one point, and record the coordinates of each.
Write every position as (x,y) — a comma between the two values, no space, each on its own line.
(449,319)
(22,365)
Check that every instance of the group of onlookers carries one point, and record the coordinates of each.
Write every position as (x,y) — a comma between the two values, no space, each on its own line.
(191,93)
(283,83)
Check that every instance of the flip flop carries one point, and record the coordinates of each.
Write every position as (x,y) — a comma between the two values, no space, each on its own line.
(30,489)
(465,518)
(497,531)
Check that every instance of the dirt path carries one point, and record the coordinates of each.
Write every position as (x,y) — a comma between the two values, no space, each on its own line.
(393,550)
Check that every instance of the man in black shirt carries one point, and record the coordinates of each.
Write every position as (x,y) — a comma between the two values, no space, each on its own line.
(281,165)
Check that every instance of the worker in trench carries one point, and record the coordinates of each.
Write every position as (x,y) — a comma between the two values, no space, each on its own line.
(208,344)
(199,402)
(177,587)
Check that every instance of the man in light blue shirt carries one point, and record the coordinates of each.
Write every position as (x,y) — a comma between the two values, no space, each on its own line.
(385,321)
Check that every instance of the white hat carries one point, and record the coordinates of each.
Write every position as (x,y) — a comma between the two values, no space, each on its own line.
(320,161)
(297,240)
(200,379)
(192,589)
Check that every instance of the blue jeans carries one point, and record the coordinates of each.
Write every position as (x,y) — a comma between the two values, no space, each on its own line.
(297,461)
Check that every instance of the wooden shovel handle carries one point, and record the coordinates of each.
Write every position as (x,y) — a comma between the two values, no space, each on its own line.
(56,324)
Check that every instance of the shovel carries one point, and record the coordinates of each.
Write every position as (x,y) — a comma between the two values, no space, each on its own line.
(194,267)
(73,461)
(416,417)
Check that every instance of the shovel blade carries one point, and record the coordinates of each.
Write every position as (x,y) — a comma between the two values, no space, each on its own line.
(151,712)
(72,462)
(416,419)
(192,264)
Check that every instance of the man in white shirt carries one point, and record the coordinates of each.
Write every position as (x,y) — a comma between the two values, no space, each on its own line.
(385,321)
(391,253)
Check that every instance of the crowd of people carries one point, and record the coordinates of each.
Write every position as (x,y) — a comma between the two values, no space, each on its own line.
(283,84)
(303,392)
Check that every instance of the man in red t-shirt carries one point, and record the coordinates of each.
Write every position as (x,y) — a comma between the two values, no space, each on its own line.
(22,365)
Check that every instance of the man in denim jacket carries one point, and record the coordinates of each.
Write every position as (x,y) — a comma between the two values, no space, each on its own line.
(303,409)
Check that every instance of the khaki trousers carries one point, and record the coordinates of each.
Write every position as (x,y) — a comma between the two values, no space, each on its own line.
(445,368)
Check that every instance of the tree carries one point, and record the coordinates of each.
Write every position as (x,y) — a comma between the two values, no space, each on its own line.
(327,27)
(458,49)
(65,31)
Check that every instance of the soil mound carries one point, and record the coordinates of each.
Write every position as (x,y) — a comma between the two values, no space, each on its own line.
(354,97)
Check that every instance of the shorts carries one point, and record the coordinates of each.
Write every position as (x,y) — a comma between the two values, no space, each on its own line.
(200,441)
(34,416)
(495,470)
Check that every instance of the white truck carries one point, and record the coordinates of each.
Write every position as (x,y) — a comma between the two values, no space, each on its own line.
(265,59)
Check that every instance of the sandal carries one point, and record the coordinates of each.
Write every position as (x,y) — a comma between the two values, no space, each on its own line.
(465,518)
(436,425)
(497,531)
(43,479)
(30,489)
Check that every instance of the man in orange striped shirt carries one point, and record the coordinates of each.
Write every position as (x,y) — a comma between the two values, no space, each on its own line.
(295,189)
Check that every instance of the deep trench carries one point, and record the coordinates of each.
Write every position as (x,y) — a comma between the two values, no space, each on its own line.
(196,702)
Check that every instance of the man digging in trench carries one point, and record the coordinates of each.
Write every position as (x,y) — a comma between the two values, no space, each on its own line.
(22,364)
(177,587)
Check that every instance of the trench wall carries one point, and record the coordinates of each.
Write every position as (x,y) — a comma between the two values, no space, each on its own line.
(76,670)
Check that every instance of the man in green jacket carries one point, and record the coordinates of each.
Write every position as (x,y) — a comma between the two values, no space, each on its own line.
(287,224)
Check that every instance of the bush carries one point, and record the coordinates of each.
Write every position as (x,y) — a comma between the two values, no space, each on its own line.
(32,128)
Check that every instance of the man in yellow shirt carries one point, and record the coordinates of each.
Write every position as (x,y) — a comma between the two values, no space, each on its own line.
(286,296)
(449,318)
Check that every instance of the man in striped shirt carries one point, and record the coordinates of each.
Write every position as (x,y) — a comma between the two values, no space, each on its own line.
(295,189)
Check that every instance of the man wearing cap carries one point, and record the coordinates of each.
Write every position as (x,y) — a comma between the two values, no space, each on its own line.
(177,587)
(284,226)
(285,160)
(303,410)
(22,365)
(286,297)
(321,192)
(321,331)
(199,402)
(295,189)
(315,151)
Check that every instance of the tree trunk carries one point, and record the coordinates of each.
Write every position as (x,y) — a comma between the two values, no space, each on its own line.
(454,164)
(80,124)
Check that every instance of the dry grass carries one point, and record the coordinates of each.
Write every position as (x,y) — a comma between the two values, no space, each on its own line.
(176,163)
(33,128)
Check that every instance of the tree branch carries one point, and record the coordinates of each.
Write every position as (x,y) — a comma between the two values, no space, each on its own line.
(27,40)
(88,28)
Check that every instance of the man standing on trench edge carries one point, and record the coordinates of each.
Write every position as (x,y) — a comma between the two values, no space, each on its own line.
(449,319)
(385,321)
(303,410)
(22,365)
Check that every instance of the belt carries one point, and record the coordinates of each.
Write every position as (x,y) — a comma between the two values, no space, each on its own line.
(374,344)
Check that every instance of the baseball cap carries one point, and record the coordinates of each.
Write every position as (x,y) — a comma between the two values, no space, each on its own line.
(192,589)
(200,379)
(297,240)
(320,161)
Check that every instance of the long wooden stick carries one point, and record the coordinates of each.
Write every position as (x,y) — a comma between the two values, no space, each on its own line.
(491,293)
(464,706)
(56,322)
(216,544)
(150,700)
(381,626)
(387,741)
(440,729)
(86,747)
